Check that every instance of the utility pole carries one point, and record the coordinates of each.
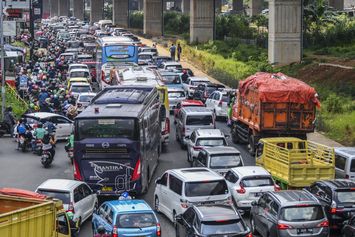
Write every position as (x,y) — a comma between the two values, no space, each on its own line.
(2,60)
(32,29)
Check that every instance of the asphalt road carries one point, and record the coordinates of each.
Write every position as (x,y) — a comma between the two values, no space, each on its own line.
(24,170)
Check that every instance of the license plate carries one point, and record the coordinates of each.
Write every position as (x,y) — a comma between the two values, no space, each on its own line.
(305,231)
(106,189)
(258,194)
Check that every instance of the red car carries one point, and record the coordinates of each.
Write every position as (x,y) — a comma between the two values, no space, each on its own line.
(187,103)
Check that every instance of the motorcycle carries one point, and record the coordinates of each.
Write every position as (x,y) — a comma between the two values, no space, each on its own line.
(23,143)
(47,155)
(38,147)
(71,154)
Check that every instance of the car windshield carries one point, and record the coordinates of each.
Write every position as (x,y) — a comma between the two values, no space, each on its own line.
(86,98)
(145,56)
(136,220)
(206,188)
(346,196)
(195,83)
(80,89)
(302,213)
(171,79)
(105,128)
(257,181)
(199,120)
(171,67)
(211,142)
(176,94)
(61,195)
(225,161)
(79,74)
(222,227)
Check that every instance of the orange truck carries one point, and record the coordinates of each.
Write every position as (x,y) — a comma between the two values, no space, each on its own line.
(272,105)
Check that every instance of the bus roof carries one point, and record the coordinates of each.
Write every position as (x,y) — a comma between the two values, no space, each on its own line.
(111,40)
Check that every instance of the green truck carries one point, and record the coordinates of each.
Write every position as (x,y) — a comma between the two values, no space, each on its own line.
(26,214)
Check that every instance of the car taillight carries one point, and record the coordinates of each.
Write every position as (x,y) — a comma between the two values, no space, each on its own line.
(283,226)
(137,171)
(241,189)
(220,103)
(77,175)
(102,75)
(71,208)
(167,126)
(324,224)
(277,188)
(114,232)
(334,210)
(249,235)
(197,148)
(158,230)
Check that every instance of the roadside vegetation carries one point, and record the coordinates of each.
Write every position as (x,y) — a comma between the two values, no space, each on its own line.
(19,107)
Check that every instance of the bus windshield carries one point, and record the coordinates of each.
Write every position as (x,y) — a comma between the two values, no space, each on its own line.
(120,51)
(106,128)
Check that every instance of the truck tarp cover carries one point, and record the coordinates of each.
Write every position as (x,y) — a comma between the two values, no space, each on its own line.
(276,88)
(21,193)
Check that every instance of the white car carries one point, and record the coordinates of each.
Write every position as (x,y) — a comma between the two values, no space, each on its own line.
(177,189)
(77,66)
(80,72)
(77,88)
(77,196)
(201,138)
(191,84)
(63,124)
(218,103)
(84,100)
(248,183)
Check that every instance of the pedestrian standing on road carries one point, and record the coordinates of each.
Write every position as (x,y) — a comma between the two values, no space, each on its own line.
(179,51)
(172,52)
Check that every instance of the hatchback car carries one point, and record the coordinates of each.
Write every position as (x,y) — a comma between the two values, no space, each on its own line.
(218,159)
(79,87)
(211,220)
(64,126)
(84,100)
(126,218)
(177,189)
(76,196)
(248,183)
(201,138)
(338,198)
(175,96)
(287,214)
(218,103)
(192,82)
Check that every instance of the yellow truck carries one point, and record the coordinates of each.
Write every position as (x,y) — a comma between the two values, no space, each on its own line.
(25,216)
(295,163)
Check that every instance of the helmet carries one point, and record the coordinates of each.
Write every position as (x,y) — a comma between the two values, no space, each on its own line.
(101,230)
(70,215)
(40,125)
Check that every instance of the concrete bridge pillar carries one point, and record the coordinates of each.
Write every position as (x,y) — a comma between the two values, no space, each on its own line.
(185,6)
(96,11)
(120,13)
(78,9)
(202,14)
(255,7)
(63,7)
(218,5)
(140,5)
(53,8)
(153,17)
(285,31)
(337,4)
(238,6)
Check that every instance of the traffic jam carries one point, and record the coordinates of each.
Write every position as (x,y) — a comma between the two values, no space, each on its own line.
(118,106)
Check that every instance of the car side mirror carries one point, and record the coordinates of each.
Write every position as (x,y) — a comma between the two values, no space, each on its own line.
(254,203)
(157,181)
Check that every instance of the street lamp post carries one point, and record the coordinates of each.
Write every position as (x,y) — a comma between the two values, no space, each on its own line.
(32,29)
(2,60)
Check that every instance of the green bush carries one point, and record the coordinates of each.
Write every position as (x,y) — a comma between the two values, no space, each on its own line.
(333,104)
(19,108)
(235,26)
(176,23)
(136,19)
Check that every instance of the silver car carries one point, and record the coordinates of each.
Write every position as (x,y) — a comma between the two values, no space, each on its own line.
(287,214)
(175,96)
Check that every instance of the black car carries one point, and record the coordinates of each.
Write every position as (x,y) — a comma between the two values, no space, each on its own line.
(211,220)
(349,228)
(338,198)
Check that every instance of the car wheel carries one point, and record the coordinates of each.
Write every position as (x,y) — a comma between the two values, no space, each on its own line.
(174,217)
(252,226)
(156,204)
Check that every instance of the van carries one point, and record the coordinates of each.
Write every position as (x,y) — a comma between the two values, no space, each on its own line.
(192,118)
(178,189)
(345,162)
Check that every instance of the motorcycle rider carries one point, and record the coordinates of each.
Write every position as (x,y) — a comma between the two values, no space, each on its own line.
(9,119)
(23,129)
(38,134)
(48,139)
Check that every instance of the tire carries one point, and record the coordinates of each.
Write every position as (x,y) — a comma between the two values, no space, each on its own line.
(174,217)
(156,204)
(252,226)
(177,137)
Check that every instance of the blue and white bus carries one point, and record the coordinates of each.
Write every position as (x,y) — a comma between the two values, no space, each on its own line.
(114,51)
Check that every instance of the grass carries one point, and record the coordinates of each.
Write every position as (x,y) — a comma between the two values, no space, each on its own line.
(344,52)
